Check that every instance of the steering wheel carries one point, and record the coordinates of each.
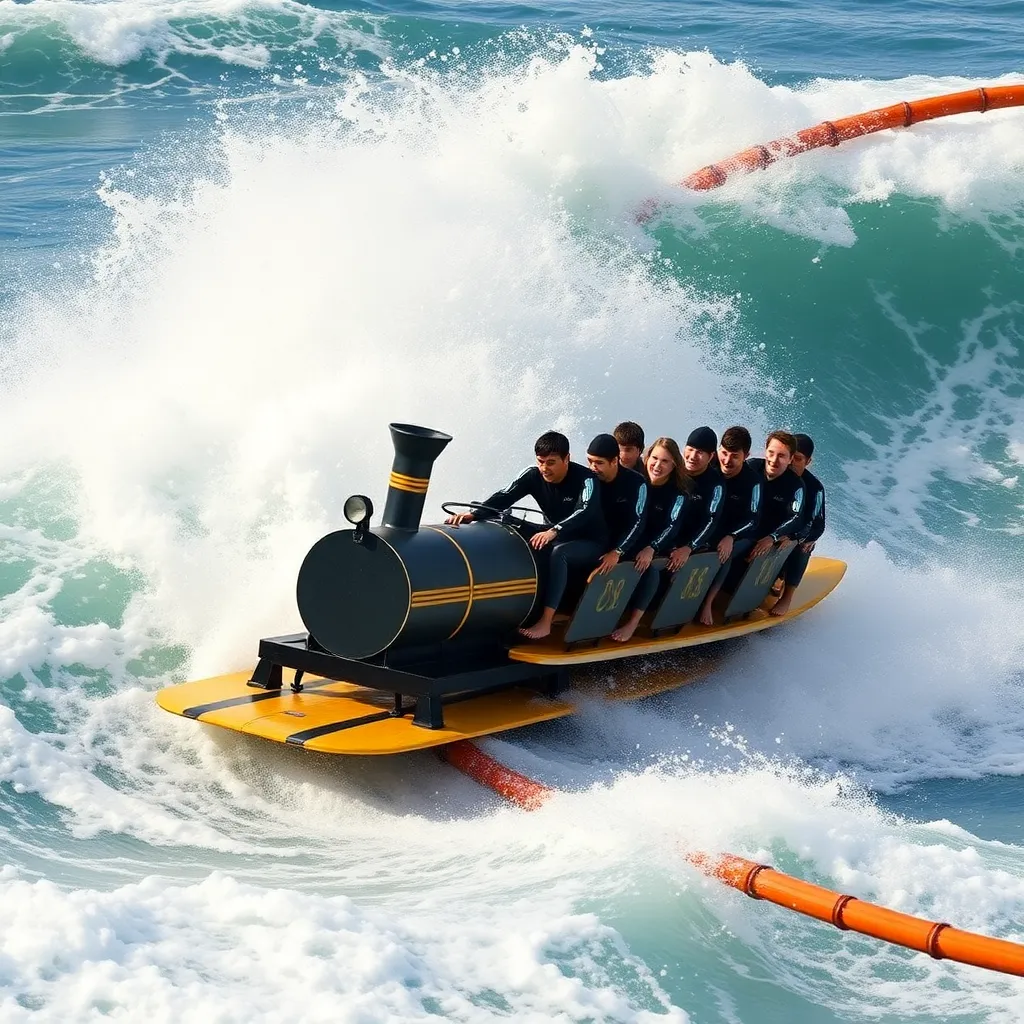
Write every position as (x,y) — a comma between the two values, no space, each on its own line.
(502,513)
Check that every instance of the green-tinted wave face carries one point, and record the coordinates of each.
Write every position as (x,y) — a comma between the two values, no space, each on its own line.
(903,350)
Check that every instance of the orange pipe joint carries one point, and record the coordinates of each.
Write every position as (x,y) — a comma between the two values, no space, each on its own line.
(937,939)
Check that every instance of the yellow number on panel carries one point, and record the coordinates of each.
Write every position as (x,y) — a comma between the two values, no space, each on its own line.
(694,584)
(768,571)
(609,599)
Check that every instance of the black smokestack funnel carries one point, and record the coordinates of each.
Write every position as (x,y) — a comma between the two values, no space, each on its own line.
(416,448)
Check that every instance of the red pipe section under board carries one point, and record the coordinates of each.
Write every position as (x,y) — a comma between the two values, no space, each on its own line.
(515,788)
(937,939)
(831,133)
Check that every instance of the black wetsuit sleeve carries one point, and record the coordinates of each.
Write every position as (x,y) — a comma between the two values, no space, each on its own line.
(787,528)
(587,517)
(524,485)
(665,541)
(709,529)
(627,545)
(817,517)
(749,525)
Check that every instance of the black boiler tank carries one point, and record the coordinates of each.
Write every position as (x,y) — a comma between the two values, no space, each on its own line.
(399,589)
(366,591)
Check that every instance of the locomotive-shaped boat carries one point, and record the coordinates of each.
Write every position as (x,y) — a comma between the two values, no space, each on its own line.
(411,635)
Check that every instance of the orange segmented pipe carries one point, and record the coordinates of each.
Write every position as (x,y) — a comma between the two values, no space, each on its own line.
(832,133)
(938,939)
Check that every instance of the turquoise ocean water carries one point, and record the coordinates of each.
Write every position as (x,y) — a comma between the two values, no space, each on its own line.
(237,237)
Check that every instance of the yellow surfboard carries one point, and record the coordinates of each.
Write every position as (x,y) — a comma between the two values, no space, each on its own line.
(342,718)
(822,577)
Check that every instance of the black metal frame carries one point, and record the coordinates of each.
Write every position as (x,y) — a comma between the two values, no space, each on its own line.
(472,679)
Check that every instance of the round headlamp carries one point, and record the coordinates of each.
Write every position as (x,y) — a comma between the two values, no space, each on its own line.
(358,509)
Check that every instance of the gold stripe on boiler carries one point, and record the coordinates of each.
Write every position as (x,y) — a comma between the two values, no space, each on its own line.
(479,592)
(445,595)
(504,588)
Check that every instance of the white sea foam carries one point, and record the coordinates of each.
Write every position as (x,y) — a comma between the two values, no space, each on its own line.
(227,948)
(504,925)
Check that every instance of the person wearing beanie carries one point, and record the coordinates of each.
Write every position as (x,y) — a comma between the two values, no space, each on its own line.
(707,503)
(623,500)
(700,447)
(814,524)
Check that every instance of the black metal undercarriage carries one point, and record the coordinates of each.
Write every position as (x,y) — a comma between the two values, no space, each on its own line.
(432,676)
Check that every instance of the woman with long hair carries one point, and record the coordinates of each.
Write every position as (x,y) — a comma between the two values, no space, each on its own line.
(667,497)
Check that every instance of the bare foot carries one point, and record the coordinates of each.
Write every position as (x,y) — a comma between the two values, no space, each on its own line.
(782,605)
(537,631)
(706,617)
(627,629)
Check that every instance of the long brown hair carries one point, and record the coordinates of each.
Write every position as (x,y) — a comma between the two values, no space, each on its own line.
(679,475)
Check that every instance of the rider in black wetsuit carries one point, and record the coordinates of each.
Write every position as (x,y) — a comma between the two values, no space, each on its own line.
(737,529)
(669,492)
(782,503)
(782,500)
(623,500)
(707,502)
(569,496)
(813,526)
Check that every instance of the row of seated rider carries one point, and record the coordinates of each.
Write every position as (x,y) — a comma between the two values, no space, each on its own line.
(762,503)
(666,503)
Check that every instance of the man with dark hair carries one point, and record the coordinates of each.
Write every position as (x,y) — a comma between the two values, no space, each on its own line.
(742,510)
(630,438)
(623,500)
(782,494)
(567,495)
(706,504)
(814,523)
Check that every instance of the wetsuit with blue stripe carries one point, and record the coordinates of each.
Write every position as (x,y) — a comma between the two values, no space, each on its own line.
(573,507)
(782,503)
(783,512)
(666,518)
(704,510)
(814,505)
(742,514)
(624,503)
